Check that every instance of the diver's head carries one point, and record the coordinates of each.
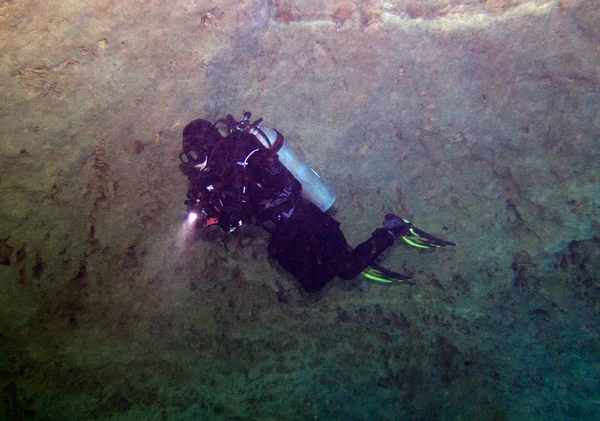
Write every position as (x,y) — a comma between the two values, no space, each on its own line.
(199,137)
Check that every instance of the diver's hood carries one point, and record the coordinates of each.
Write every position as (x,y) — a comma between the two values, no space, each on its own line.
(199,137)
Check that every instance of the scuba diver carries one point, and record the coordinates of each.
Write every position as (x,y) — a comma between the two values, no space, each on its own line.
(247,175)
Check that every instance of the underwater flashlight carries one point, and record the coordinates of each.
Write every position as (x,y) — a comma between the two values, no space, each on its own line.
(191,218)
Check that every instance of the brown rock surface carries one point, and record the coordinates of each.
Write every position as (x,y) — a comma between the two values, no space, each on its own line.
(479,121)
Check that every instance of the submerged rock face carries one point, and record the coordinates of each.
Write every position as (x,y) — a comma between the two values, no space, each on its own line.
(478,121)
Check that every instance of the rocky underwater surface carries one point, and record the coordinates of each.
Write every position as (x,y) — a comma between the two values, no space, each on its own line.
(477,121)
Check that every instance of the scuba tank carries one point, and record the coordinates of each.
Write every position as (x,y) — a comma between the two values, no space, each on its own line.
(313,187)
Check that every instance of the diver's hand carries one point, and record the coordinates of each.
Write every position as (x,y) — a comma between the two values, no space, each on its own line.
(233,216)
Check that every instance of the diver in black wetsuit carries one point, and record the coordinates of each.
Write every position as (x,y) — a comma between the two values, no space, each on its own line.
(237,179)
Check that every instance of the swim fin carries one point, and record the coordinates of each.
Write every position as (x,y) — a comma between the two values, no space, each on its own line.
(400,227)
(378,273)
(419,238)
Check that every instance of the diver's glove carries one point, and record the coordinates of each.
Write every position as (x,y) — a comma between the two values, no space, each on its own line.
(232,216)
(412,235)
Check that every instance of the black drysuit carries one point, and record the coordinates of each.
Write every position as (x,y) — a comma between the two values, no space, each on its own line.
(246,181)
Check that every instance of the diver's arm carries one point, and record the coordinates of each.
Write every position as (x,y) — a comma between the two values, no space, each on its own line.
(234,199)
(272,183)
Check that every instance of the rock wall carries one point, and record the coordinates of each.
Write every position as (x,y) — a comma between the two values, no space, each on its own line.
(478,121)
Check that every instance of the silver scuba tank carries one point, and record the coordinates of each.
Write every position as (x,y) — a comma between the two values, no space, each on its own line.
(314,188)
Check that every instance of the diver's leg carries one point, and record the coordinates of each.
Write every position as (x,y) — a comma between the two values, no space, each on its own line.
(358,259)
(292,245)
(320,250)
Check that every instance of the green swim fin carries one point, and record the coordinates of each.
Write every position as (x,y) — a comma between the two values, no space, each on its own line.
(378,273)
(419,238)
